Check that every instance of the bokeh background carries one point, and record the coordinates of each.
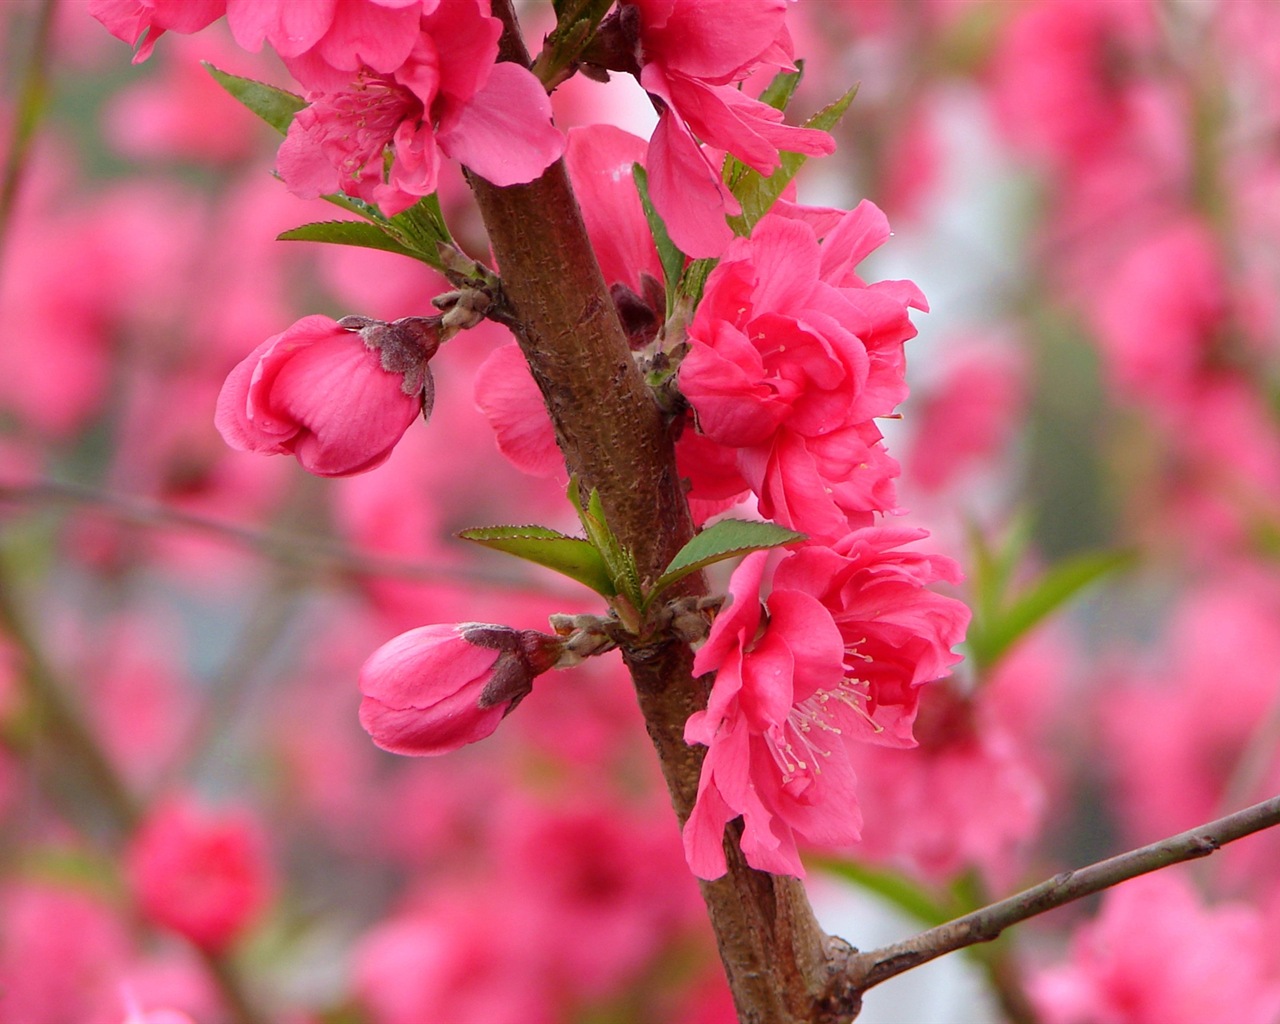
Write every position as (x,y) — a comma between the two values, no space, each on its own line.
(1088,191)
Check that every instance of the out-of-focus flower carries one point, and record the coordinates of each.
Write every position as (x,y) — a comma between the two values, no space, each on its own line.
(1149,955)
(325,394)
(437,688)
(199,873)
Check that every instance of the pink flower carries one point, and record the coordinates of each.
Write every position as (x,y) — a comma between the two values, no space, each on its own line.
(437,688)
(1156,953)
(850,635)
(774,755)
(791,357)
(447,93)
(336,399)
(129,20)
(200,874)
(689,55)
(897,634)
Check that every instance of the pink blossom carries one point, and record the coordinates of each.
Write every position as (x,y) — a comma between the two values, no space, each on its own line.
(447,96)
(324,41)
(320,392)
(135,1014)
(453,960)
(129,20)
(689,55)
(1147,957)
(202,874)
(772,731)
(437,688)
(850,636)
(897,634)
(791,357)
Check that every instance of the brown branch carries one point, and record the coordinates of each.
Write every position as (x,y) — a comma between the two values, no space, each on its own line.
(615,439)
(866,970)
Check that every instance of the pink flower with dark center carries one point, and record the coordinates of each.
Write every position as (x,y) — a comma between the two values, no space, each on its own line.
(437,688)
(336,397)
(1147,955)
(834,656)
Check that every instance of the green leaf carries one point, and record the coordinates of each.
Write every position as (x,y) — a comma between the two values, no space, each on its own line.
(671,258)
(347,232)
(1054,588)
(725,539)
(757,193)
(275,106)
(894,888)
(570,556)
(619,563)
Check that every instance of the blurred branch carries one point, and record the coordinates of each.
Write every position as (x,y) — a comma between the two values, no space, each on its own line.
(311,553)
(58,715)
(33,95)
(60,718)
(866,970)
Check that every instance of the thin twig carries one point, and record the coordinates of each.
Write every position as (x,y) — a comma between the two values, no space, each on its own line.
(866,970)
(314,554)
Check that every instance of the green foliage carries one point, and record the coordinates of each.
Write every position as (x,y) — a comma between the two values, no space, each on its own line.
(573,557)
(725,539)
(347,232)
(1002,617)
(754,191)
(619,562)
(275,106)
(671,258)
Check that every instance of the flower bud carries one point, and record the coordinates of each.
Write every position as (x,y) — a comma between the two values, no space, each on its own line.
(437,688)
(338,396)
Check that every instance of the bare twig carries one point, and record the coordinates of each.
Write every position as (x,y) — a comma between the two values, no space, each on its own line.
(866,970)
(312,554)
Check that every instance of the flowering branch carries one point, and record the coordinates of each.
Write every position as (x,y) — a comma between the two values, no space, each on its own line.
(867,970)
(615,440)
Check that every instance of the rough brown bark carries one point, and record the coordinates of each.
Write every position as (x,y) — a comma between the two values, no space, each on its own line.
(614,438)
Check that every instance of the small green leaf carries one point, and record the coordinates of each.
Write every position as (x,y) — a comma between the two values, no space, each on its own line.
(570,556)
(725,539)
(671,258)
(275,106)
(619,563)
(347,232)
(1054,588)
(891,886)
(756,193)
